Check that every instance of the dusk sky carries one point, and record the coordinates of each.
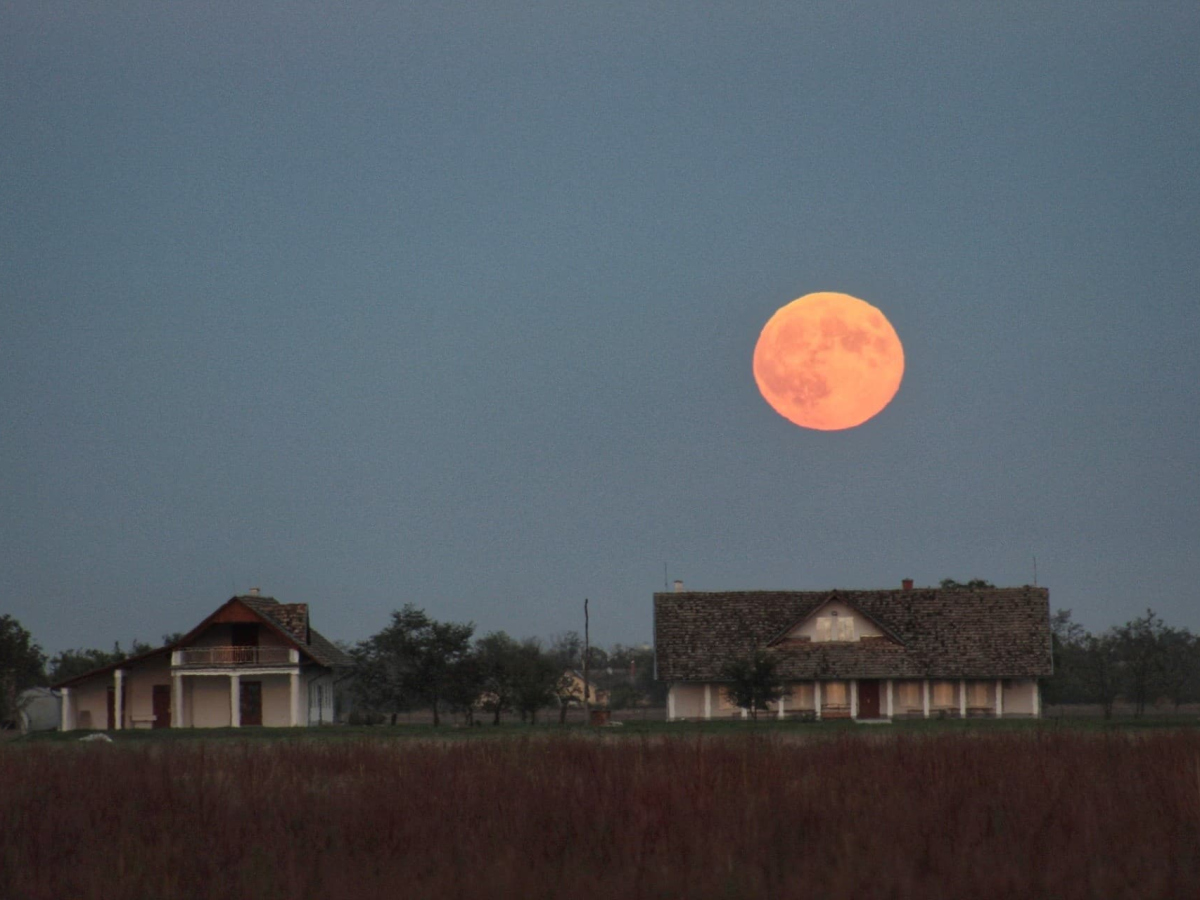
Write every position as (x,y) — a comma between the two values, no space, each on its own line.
(454,304)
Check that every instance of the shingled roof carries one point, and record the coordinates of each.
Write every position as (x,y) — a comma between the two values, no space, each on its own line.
(991,633)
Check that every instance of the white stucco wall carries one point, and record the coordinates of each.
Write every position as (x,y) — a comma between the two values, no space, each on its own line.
(1018,696)
(206,699)
(689,701)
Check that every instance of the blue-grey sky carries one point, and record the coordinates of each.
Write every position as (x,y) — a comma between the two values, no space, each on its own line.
(454,304)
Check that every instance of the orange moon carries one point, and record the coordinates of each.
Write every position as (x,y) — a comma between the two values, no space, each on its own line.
(828,361)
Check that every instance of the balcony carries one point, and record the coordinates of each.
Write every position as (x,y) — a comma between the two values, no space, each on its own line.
(235,656)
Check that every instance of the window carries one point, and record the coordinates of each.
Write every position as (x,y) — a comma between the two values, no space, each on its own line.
(977,694)
(943,693)
(834,693)
(835,628)
(910,695)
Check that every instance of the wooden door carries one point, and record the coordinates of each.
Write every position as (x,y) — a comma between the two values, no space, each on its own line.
(111,721)
(868,699)
(162,705)
(251,702)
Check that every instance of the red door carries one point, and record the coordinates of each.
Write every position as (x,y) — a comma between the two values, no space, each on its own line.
(251,702)
(162,706)
(868,699)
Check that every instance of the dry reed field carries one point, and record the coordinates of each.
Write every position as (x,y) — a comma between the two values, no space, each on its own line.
(1038,814)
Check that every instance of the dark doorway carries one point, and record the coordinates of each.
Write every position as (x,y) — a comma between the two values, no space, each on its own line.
(112,706)
(868,699)
(161,699)
(244,634)
(251,702)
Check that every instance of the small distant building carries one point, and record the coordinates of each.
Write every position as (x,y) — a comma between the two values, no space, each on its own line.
(879,654)
(573,691)
(253,661)
(38,709)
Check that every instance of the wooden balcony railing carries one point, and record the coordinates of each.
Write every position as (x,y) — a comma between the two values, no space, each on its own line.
(234,656)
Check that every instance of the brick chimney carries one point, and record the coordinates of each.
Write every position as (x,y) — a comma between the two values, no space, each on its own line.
(906,584)
(678,586)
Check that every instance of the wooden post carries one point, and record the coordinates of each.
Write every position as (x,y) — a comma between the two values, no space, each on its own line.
(962,698)
(999,697)
(587,652)
(925,696)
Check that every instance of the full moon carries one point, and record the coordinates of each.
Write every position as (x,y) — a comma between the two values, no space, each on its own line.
(828,361)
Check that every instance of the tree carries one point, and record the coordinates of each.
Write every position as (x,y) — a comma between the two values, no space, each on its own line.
(412,662)
(1101,669)
(72,663)
(1068,641)
(22,665)
(1140,643)
(495,655)
(949,584)
(1181,665)
(536,676)
(753,683)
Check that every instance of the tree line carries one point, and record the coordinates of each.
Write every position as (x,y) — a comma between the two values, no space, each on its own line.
(417,662)
(1143,662)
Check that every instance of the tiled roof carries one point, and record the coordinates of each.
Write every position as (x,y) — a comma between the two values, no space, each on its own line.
(292,619)
(993,633)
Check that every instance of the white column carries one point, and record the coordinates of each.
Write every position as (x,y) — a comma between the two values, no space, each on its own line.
(176,700)
(66,714)
(708,701)
(294,696)
(817,699)
(890,712)
(118,698)
(962,698)
(999,697)
(671,703)
(782,701)
(1037,700)
(853,698)
(745,713)
(235,700)
(925,696)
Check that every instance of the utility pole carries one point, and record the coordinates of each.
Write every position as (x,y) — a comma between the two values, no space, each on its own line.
(587,652)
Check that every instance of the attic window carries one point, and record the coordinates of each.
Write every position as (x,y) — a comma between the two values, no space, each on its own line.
(835,628)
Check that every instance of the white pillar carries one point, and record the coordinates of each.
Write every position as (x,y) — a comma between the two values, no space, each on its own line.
(745,713)
(671,703)
(294,697)
(176,700)
(853,698)
(235,700)
(708,701)
(890,712)
(962,698)
(118,698)
(66,717)
(782,701)
(999,697)
(1037,700)
(925,696)
(817,699)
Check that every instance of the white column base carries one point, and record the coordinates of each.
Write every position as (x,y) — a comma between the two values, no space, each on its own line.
(294,697)
(235,701)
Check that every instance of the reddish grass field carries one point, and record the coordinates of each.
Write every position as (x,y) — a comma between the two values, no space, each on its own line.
(1040,814)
